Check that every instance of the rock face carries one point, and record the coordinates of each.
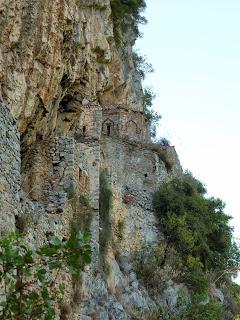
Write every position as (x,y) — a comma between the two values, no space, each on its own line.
(57,55)
(76,100)
(10,169)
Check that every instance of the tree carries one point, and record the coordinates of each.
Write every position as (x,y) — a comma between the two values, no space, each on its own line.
(195,224)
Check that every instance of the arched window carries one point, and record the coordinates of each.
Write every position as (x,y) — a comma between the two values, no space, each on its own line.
(108,127)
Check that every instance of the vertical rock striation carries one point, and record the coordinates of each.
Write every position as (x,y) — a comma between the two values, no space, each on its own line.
(10,170)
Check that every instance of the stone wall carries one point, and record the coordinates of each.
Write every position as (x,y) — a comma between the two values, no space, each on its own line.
(135,172)
(120,121)
(49,172)
(88,157)
(90,122)
(10,170)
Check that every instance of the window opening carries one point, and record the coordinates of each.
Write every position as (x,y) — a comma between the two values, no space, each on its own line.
(108,129)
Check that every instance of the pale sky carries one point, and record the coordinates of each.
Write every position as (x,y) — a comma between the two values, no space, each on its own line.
(194,48)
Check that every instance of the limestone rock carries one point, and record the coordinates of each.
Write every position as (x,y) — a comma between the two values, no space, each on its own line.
(76,100)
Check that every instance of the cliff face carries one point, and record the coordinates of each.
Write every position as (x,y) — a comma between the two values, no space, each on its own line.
(77,100)
(56,54)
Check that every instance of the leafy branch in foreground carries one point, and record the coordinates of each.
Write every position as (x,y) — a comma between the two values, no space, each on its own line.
(30,280)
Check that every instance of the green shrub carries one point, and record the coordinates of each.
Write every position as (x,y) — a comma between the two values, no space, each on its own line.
(197,282)
(191,308)
(155,265)
(70,190)
(30,278)
(163,142)
(200,311)
(196,230)
(120,229)
(84,200)
(163,154)
(187,309)
(194,224)
(23,221)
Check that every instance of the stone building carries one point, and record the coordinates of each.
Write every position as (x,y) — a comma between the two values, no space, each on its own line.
(115,121)
(122,122)
(90,121)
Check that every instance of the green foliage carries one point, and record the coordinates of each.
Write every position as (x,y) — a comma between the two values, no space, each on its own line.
(191,309)
(82,216)
(197,282)
(105,204)
(147,262)
(152,116)
(23,221)
(82,212)
(188,309)
(163,155)
(231,293)
(196,309)
(197,226)
(199,311)
(196,230)
(142,66)
(163,142)
(126,14)
(70,190)
(156,265)
(30,277)
(84,200)
(166,158)
(120,229)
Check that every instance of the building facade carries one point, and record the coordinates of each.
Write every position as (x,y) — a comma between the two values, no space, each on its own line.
(115,121)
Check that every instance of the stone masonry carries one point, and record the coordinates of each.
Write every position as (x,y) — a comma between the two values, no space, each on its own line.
(115,121)
(120,121)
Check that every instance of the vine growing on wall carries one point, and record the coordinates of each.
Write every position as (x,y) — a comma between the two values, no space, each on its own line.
(105,204)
